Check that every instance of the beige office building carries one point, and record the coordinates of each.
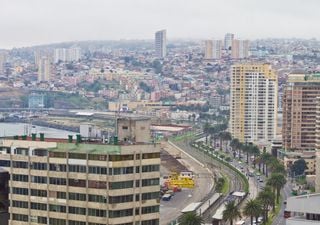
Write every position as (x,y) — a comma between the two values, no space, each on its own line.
(240,49)
(44,69)
(208,49)
(253,102)
(58,182)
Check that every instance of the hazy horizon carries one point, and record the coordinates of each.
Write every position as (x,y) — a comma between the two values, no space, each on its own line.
(42,22)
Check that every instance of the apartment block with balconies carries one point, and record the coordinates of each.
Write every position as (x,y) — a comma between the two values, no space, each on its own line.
(299,111)
(253,105)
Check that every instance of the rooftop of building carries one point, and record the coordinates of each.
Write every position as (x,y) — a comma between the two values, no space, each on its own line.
(304,203)
(63,145)
(303,77)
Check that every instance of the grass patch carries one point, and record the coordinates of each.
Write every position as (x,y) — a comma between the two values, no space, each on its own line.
(183,136)
(226,187)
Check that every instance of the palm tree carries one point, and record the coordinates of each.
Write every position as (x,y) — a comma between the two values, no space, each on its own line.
(191,218)
(256,152)
(279,168)
(235,143)
(265,157)
(231,212)
(266,197)
(227,137)
(277,182)
(206,128)
(253,209)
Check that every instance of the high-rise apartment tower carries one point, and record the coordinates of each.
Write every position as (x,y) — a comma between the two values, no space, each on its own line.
(253,103)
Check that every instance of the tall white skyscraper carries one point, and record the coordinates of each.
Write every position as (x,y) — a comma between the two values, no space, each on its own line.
(73,54)
(67,55)
(216,49)
(59,55)
(253,102)
(240,49)
(228,38)
(44,69)
(208,50)
(161,43)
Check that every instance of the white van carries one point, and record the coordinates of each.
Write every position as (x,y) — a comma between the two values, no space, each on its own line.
(241,222)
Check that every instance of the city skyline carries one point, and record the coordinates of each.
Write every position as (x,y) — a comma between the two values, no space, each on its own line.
(35,22)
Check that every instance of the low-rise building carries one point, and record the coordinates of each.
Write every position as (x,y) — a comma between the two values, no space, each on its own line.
(289,157)
(303,210)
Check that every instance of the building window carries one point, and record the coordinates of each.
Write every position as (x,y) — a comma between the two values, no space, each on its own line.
(121,185)
(5,163)
(97,170)
(57,194)
(150,182)
(77,168)
(42,220)
(150,168)
(150,222)
(77,210)
(38,166)
(58,181)
(114,158)
(97,184)
(120,199)
(58,155)
(38,206)
(77,183)
(97,212)
(58,167)
(20,204)
(150,155)
(53,221)
(20,191)
(151,195)
(97,157)
(122,170)
(121,213)
(77,196)
(97,198)
(57,208)
(77,156)
(150,209)
(38,193)
(73,222)
(20,217)
(20,164)
(39,179)
(20,177)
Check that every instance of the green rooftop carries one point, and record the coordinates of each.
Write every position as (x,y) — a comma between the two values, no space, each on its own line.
(87,148)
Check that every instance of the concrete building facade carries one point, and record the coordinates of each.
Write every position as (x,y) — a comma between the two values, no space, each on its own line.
(44,69)
(208,49)
(240,49)
(228,39)
(299,111)
(161,43)
(61,183)
(303,210)
(253,102)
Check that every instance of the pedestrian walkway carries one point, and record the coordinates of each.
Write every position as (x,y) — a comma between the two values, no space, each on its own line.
(206,205)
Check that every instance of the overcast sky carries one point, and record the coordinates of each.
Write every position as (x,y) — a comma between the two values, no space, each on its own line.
(32,22)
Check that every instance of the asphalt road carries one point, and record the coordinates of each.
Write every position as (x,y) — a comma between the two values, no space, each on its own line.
(285,193)
(170,210)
